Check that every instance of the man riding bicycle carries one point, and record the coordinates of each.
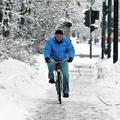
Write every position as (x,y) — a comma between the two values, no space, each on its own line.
(59,48)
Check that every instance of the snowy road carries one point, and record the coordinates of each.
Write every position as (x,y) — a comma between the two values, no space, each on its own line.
(82,104)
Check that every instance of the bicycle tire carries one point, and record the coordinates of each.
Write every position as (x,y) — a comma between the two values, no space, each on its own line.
(59,88)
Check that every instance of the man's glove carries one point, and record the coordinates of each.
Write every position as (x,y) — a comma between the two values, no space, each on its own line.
(70,59)
(47,60)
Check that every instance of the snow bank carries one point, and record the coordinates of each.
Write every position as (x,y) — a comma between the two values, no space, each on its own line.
(108,81)
(10,109)
(109,72)
(19,85)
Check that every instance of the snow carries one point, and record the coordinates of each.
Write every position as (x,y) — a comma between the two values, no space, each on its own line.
(108,76)
(84,48)
(22,87)
(20,84)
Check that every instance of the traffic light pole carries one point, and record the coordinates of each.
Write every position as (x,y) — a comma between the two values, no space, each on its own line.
(90,17)
(115,39)
(90,33)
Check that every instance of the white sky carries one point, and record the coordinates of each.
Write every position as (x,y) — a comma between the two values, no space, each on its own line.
(22,85)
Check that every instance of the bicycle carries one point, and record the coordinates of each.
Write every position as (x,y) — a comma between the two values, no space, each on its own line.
(59,79)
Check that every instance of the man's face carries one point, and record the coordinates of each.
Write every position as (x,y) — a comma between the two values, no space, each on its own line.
(58,37)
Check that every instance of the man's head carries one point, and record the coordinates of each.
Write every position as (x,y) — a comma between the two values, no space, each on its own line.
(58,35)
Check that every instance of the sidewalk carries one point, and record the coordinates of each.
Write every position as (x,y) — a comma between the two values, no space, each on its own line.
(83,49)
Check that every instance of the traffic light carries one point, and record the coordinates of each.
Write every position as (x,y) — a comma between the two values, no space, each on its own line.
(87,18)
(92,28)
(94,16)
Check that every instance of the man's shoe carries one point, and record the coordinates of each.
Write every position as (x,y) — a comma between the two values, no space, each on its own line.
(51,81)
(65,95)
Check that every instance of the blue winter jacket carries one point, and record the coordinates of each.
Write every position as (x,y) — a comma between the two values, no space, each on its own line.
(59,51)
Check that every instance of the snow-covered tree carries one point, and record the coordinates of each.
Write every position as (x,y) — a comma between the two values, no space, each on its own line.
(25,25)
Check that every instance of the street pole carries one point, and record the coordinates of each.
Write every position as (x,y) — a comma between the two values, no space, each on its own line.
(109,28)
(103,30)
(91,31)
(90,34)
(115,39)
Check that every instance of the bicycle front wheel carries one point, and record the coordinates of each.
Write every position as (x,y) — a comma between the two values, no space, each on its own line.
(58,87)
(59,92)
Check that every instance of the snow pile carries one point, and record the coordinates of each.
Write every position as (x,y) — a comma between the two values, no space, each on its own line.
(108,81)
(109,72)
(19,85)
(9,108)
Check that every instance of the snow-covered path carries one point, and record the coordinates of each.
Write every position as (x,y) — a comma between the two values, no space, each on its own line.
(83,103)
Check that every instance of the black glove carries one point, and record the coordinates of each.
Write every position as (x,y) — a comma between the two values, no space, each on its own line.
(70,59)
(47,60)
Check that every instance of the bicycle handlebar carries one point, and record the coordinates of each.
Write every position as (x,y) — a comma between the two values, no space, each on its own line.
(60,62)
